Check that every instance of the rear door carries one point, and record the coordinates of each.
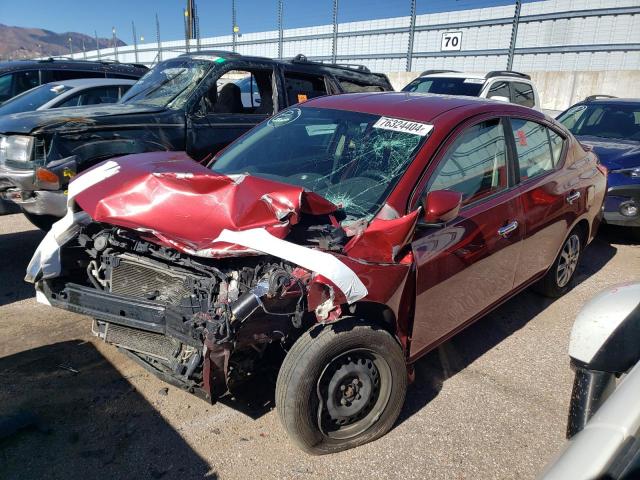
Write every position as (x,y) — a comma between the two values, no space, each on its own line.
(468,265)
(552,197)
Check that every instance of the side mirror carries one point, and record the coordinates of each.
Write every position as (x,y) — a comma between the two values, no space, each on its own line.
(500,98)
(441,206)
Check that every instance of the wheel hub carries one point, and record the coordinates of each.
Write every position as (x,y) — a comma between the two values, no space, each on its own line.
(352,390)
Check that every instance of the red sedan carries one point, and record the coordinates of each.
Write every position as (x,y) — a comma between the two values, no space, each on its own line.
(350,235)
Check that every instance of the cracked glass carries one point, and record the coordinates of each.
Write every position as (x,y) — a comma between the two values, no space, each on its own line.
(350,158)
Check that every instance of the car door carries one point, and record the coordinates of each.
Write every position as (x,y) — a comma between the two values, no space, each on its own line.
(468,265)
(552,197)
(221,116)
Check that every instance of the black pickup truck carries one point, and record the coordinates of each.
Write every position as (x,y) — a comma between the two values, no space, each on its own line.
(198,102)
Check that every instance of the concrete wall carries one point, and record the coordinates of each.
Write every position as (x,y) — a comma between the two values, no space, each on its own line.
(559,90)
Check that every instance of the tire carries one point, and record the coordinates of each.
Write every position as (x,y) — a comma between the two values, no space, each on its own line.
(559,278)
(43,222)
(352,362)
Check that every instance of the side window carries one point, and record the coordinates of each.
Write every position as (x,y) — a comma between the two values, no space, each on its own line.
(499,89)
(533,148)
(60,75)
(475,165)
(23,81)
(349,86)
(5,87)
(522,94)
(557,142)
(93,96)
(242,91)
(300,87)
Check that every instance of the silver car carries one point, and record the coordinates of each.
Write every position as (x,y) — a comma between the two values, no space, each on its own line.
(68,93)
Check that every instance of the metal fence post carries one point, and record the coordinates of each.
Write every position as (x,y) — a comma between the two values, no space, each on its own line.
(514,35)
(334,43)
(412,31)
(158,39)
(135,40)
(97,44)
(233,23)
(115,43)
(280,32)
(84,50)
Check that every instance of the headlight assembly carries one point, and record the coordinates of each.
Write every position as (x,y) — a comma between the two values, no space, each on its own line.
(16,148)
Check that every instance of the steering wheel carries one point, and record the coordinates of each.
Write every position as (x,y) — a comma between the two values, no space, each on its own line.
(374,175)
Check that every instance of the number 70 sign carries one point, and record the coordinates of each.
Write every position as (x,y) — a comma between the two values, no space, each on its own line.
(451,41)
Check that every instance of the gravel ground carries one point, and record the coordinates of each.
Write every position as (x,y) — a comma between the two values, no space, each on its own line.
(490,403)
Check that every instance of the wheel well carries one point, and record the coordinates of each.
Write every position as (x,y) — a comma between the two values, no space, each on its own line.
(377,314)
(583,227)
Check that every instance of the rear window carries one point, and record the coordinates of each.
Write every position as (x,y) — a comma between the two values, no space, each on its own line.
(352,87)
(301,88)
(32,99)
(469,87)
(522,94)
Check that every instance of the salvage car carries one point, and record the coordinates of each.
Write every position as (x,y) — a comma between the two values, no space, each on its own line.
(192,102)
(611,126)
(355,232)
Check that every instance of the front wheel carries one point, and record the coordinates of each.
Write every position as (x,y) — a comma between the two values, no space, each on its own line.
(558,279)
(341,387)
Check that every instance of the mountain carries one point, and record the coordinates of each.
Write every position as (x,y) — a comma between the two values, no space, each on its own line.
(19,42)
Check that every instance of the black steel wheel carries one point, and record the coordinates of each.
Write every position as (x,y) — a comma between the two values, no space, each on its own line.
(341,386)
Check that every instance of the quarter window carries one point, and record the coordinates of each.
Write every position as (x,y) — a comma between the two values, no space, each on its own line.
(476,164)
(533,147)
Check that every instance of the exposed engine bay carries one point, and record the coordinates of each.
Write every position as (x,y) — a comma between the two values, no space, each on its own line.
(171,311)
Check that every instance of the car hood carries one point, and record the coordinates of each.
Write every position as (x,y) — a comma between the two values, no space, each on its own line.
(614,153)
(67,118)
(176,202)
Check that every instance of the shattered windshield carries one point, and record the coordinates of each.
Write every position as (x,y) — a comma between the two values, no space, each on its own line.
(170,81)
(352,159)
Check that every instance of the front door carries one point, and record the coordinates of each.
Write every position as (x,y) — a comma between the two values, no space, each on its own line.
(470,263)
(235,103)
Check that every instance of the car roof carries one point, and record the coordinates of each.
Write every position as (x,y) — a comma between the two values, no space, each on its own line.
(92,82)
(418,107)
(454,75)
(604,101)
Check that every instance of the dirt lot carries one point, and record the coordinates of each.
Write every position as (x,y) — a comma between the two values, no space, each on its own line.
(490,403)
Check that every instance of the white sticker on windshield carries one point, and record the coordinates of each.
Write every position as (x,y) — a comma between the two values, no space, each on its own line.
(474,80)
(406,126)
(205,57)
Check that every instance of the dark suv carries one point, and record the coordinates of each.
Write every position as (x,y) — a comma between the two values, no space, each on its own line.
(21,75)
(197,102)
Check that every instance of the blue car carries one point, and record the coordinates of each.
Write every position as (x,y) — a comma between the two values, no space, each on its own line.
(611,126)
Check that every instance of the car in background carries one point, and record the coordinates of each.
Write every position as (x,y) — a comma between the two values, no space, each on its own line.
(355,232)
(70,93)
(604,413)
(189,103)
(611,127)
(503,85)
(18,76)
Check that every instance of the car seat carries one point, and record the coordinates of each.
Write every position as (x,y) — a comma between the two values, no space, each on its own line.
(229,99)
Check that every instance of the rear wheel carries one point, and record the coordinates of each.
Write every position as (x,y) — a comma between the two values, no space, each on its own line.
(43,222)
(341,387)
(558,279)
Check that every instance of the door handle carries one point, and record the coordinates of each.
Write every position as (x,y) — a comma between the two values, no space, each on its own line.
(507,229)
(573,197)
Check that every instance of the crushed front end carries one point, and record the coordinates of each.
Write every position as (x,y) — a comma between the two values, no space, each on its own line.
(220,277)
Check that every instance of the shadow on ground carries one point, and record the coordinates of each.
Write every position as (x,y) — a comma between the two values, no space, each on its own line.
(463,349)
(16,250)
(55,423)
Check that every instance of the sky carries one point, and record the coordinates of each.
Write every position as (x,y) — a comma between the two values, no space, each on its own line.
(215,15)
